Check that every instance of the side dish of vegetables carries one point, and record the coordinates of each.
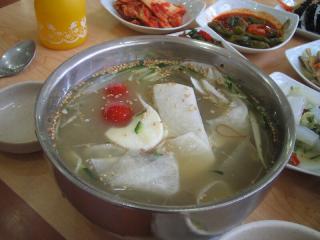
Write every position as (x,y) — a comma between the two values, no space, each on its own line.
(311,65)
(151,13)
(248,29)
(305,105)
(307,116)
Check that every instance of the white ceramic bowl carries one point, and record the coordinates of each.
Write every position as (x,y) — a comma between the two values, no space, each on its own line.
(272,230)
(17,123)
(227,5)
(293,54)
(285,83)
(194,8)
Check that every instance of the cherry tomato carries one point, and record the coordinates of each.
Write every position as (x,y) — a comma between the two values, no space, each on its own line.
(257,29)
(118,113)
(294,160)
(205,35)
(116,90)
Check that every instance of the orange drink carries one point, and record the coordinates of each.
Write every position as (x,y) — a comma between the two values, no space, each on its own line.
(61,23)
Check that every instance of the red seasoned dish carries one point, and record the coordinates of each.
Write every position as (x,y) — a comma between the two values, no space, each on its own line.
(151,13)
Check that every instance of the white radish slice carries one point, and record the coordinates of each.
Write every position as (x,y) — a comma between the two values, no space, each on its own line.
(143,133)
(236,118)
(193,155)
(212,90)
(179,111)
(214,74)
(316,146)
(306,135)
(99,157)
(101,165)
(311,96)
(145,172)
(75,160)
(297,104)
(100,151)
(257,138)
(197,85)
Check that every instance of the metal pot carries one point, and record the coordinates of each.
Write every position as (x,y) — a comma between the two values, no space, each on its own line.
(129,218)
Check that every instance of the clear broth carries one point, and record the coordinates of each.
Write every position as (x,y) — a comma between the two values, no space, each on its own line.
(79,122)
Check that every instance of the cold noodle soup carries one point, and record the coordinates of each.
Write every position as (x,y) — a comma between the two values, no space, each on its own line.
(164,132)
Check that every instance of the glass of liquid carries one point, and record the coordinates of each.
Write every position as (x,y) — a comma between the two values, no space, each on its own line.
(61,23)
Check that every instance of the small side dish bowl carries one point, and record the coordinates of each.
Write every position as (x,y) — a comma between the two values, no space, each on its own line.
(305,164)
(293,54)
(272,229)
(194,8)
(17,126)
(224,6)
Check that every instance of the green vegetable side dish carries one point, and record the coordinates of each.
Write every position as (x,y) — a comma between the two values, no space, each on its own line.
(311,65)
(249,29)
(306,112)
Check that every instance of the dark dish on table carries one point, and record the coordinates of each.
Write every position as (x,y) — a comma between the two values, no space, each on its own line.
(250,28)
(201,35)
(311,65)
(308,11)
(151,13)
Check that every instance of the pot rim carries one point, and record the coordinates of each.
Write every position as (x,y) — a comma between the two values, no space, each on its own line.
(42,133)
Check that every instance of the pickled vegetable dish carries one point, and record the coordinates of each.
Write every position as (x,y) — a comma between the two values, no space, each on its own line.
(151,13)
(249,29)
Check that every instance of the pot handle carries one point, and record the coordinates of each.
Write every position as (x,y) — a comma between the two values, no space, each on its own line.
(198,226)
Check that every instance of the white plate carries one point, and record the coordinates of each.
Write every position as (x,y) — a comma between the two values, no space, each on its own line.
(272,229)
(293,54)
(17,126)
(215,36)
(285,82)
(194,7)
(227,5)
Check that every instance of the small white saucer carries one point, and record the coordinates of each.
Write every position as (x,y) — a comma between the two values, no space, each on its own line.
(272,229)
(17,124)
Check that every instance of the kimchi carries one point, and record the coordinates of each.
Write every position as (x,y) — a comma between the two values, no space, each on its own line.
(151,13)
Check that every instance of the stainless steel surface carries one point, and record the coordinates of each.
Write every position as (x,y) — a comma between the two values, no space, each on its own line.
(181,222)
(17,58)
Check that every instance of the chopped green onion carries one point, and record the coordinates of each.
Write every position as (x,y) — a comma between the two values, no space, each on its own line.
(158,154)
(218,172)
(138,127)
(161,65)
(89,173)
(314,157)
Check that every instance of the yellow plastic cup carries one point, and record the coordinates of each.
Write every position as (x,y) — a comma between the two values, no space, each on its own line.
(61,23)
